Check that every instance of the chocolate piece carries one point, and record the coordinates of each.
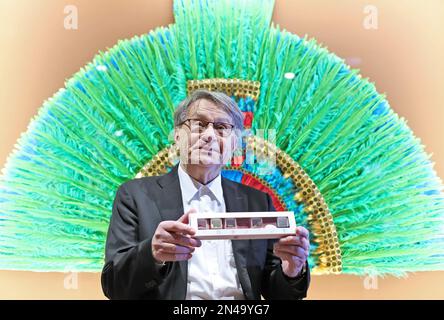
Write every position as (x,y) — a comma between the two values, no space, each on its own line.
(282,222)
(256,222)
(216,223)
(202,224)
(230,223)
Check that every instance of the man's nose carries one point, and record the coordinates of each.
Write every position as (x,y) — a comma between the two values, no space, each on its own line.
(208,134)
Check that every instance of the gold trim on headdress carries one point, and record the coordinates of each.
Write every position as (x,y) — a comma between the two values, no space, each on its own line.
(231,87)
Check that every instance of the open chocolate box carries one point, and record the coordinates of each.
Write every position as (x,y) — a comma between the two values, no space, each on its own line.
(243,225)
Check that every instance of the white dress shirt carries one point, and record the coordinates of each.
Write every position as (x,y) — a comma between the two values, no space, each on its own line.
(212,273)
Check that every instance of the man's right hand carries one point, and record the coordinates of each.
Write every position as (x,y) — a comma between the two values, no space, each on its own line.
(173,240)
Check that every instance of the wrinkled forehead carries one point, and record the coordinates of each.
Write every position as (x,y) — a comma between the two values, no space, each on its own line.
(208,110)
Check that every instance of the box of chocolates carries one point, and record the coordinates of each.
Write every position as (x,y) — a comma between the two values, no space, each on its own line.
(243,225)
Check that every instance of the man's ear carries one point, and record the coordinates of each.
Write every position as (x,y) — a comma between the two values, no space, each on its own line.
(234,142)
(176,135)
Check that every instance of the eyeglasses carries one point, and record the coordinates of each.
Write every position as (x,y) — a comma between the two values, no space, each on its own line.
(222,129)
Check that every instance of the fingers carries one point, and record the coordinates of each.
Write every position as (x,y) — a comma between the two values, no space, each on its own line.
(181,240)
(173,247)
(173,240)
(291,240)
(177,227)
(293,247)
(302,232)
(164,236)
(173,257)
(284,256)
(294,241)
(292,250)
(185,218)
(169,248)
(172,252)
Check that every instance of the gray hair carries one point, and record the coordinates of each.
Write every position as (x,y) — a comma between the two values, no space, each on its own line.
(218,98)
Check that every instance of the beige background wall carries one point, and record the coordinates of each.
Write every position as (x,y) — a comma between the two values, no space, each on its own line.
(403,57)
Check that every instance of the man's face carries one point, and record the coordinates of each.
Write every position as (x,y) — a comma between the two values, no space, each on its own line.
(201,139)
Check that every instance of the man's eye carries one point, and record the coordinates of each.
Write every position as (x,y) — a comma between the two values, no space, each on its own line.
(198,125)
(220,126)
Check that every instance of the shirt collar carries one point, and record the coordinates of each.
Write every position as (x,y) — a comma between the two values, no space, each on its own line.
(192,188)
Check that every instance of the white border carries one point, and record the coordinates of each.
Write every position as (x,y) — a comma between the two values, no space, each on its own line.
(246,233)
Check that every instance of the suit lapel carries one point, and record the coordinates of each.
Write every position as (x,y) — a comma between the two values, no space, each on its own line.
(235,201)
(169,203)
(169,199)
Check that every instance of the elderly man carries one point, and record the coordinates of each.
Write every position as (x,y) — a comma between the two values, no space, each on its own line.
(151,251)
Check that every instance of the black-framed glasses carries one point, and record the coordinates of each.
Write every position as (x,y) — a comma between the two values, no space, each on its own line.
(222,129)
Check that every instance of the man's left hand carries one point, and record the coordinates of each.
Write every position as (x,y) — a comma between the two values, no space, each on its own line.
(293,251)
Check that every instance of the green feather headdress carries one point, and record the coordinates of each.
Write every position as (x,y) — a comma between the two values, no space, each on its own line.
(346,164)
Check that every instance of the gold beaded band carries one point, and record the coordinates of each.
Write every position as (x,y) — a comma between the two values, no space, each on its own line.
(160,163)
(320,219)
(319,216)
(232,87)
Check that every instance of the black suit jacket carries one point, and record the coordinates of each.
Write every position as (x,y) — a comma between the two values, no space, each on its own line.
(141,204)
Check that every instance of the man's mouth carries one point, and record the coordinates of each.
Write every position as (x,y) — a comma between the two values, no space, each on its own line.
(209,152)
(206,149)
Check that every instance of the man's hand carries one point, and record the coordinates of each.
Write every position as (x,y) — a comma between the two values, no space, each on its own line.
(293,251)
(173,240)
